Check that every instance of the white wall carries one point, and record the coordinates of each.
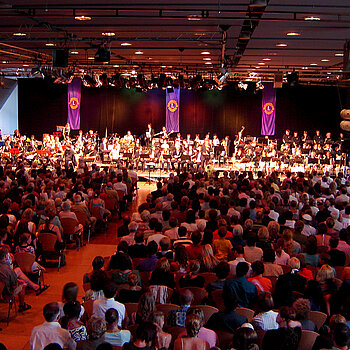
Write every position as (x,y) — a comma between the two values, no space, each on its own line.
(9,111)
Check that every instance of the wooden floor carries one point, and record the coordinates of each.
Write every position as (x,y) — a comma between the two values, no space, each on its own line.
(16,335)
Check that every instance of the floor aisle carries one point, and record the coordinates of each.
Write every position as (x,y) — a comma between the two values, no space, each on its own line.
(16,335)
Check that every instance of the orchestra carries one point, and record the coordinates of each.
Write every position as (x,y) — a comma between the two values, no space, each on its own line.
(168,152)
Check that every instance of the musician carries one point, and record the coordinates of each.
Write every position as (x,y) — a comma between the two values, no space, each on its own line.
(66,131)
(149,135)
(128,138)
(287,138)
(90,136)
(216,144)
(328,140)
(69,156)
(163,134)
(115,152)
(306,137)
(318,138)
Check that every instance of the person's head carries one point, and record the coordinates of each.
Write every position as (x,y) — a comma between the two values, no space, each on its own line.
(237,232)
(24,238)
(70,292)
(133,279)
(242,269)
(110,289)
(245,339)
(341,336)
(133,227)
(111,317)
(96,327)
(72,309)
(182,231)
(193,325)
(222,231)
(165,244)
(196,237)
(152,248)
(163,265)
(222,270)
(194,266)
(325,273)
(51,346)
(181,255)
(251,239)
(285,315)
(336,319)
(333,242)
(186,297)
(269,255)
(97,280)
(146,332)
(51,312)
(98,263)
(157,317)
(263,234)
(173,221)
(302,308)
(139,237)
(258,268)
(147,305)
(294,263)
(196,311)
(265,302)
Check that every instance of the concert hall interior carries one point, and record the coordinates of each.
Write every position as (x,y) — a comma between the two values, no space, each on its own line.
(175,175)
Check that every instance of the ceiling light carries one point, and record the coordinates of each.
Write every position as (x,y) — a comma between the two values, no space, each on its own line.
(139,53)
(281,45)
(261,64)
(25,65)
(108,34)
(305,68)
(74,52)
(257,67)
(312,18)
(329,73)
(206,59)
(266,59)
(293,34)
(82,18)
(194,18)
(133,71)
(313,64)
(208,63)
(163,66)
(325,60)
(125,44)
(339,54)
(50,44)
(91,58)
(205,53)
(115,66)
(150,58)
(19,34)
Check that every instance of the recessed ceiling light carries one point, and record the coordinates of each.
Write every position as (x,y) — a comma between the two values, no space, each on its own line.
(312,18)
(125,44)
(313,64)
(4,62)
(325,60)
(150,58)
(208,63)
(139,53)
(108,34)
(261,64)
(293,34)
(205,53)
(206,59)
(266,59)
(82,18)
(25,65)
(74,52)
(257,67)
(19,34)
(50,44)
(91,58)
(163,66)
(339,54)
(305,68)
(281,45)
(194,18)
(115,66)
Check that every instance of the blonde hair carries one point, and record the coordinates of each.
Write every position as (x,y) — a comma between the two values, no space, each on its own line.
(273,228)
(263,233)
(208,260)
(27,214)
(325,273)
(163,265)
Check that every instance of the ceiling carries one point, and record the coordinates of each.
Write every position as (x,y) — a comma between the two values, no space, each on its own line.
(172,36)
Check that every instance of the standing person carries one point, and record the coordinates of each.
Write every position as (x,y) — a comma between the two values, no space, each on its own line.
(149,135)
(69,156)
(50,331)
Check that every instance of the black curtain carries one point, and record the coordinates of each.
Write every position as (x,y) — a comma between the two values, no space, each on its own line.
(43,105)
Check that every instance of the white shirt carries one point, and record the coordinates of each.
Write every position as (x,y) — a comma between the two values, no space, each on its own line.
(266,320)
(99,308)
(157,237)
(172,233)
(50,332)
(308,230)
(233,265)
(119,186)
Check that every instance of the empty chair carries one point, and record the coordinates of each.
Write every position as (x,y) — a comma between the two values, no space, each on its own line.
(88,308)
(83,219)
(48,241)
(225,339)
(307,340)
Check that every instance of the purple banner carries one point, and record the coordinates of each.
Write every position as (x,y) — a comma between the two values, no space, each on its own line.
(74,97)
(268,110)
(172,109)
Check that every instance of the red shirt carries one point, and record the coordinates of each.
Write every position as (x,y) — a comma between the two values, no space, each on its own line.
(194,251)
(263,284)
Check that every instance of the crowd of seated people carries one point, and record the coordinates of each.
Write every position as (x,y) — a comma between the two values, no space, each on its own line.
(276,245)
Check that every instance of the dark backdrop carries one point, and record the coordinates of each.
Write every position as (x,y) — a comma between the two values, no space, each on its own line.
(43,105)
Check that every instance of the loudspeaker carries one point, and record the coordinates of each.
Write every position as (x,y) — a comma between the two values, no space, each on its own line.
(60,58)
(278,80)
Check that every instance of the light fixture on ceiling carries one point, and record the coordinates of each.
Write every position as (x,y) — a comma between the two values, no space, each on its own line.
(74,52)
(339,54)
(261,64)
(19,34)
(205,53)
(325,60)
(293,34)
(312,18)
(25,65)
(281,45)
(206,59)
(82,18)
(108,34)
(91,58)
(266,59)
(50,44)
(208,63)
(194,18)
(116,66)
(125,44)
(139,53)
(313,64)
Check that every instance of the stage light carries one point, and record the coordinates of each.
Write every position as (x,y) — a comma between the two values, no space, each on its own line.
(125,44)
(19,34)
(281,45)
(312,18)
(82,18)
(108,34)
(293,34)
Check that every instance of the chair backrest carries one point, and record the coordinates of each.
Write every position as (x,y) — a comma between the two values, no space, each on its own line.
(117,347)
(208,277)
(25,261)
(131,308)
(82,217)
(132,328)
(338,282)
(208,311)
(166,308)
(313,269)
(339,271)
(243,311)
(261,334)
(68,225)
(318,318)
(47,241)
(307,340)
(198,294)
(2,287)
(175,332)
(218,299)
